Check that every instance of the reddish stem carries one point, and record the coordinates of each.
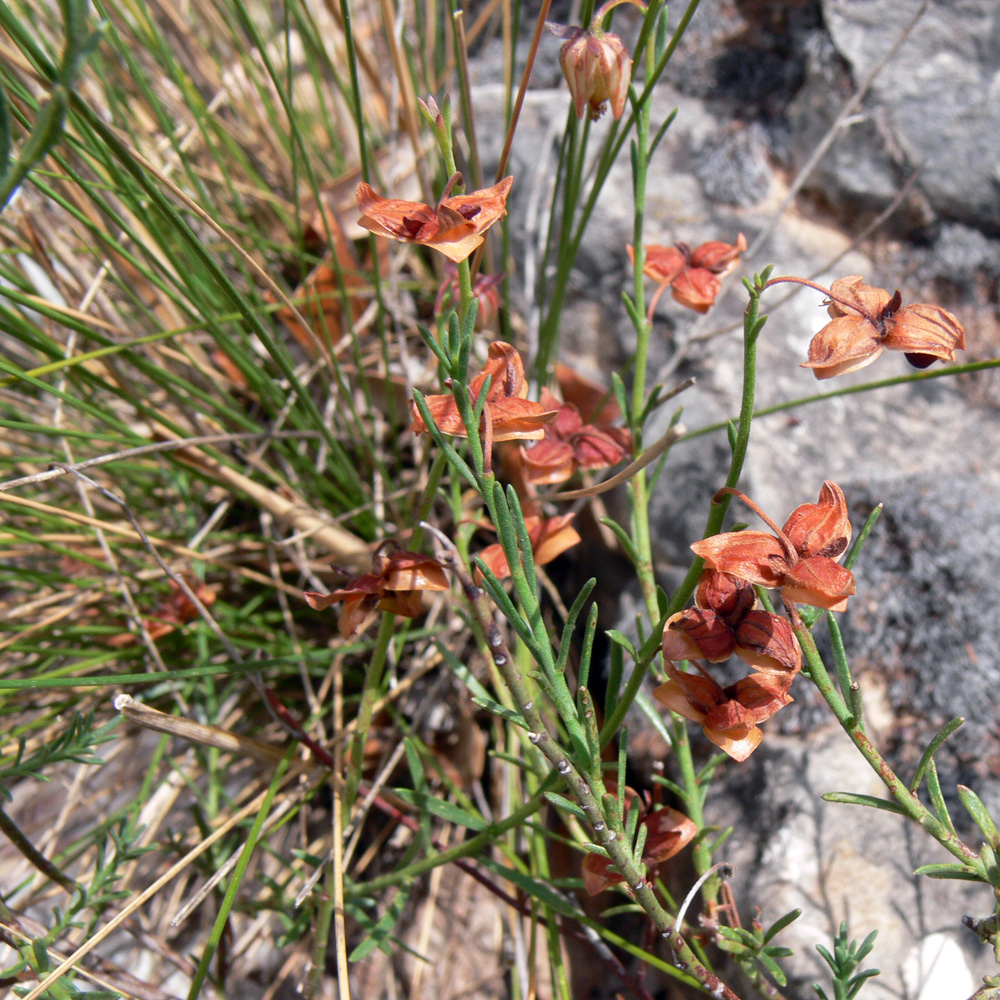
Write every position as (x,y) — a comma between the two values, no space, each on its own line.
(852,306)
(791,554)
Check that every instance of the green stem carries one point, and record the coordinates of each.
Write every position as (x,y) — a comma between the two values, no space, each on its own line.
(606,824)
(915,809)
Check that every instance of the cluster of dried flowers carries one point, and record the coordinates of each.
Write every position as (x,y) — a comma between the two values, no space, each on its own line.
(800,560)
(691,275)
(867,320)
(548,441)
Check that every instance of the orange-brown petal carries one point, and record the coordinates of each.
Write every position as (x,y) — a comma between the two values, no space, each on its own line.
(597,875)
(819,582)
(406,603)
(552,537)
(927,330)
(696,288)
(596,404)
(747,555)
(697,634)
(484,207)
(718,256)
(663,264)
(823,528)
(355,613)
(519,419)
(412,571)
(409,221)
(675,696)
(669,831)
(506,371)
(846,344)
(725,594)
(739,742)
(444,412)
(493,556)
(767,642)
(595,448)
(548,461)
(851,296)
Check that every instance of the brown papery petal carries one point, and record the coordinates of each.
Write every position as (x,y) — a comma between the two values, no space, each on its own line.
(669,832)
(548,462)
(445,414)
(725,594)
(412,571)
(663,264)
(696,288)
(519,419)
(747,555)
(857,298)
(926,329)
(675,698)
(821,529)
(819,582)
(718,256)
(483,207)
(767,642)
(506,371)
(697,634)
(597,449)
(739,742)
(844,345)
(551,538)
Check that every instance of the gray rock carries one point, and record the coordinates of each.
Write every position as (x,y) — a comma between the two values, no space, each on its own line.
(935,106)
(840,862)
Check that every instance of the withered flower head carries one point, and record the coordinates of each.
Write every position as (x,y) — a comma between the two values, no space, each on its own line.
(691,275)
(394,585)
(570,444)
(725,622)
(455,227)
(597,68)
(729,716)
(668,831)
(508,414)
(799,559)
(549,538)
(866,320)
(596,64)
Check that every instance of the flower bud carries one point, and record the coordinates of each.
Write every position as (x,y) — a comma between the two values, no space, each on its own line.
(597,68)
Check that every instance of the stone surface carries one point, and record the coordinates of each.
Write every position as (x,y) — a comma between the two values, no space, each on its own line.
(841,862)
(935,106)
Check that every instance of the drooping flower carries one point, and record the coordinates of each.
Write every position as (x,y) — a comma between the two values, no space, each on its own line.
(395,584)
(691,275)
(726,621)
(507,416)
(597,68)
(729,715)
(455,227)
(867,320)
(800,558)
(570,444)
(549,537)
(668,831)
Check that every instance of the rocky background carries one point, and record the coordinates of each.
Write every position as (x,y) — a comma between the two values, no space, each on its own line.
(906,97)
